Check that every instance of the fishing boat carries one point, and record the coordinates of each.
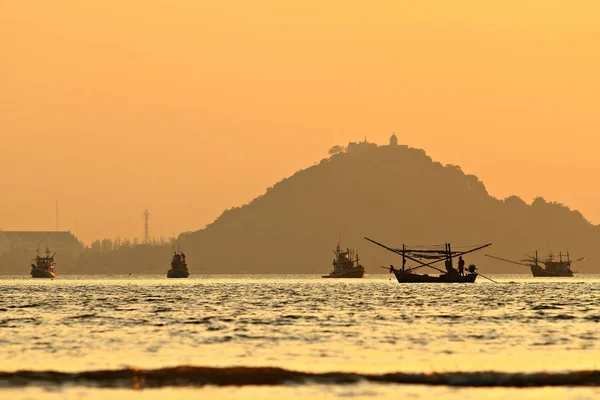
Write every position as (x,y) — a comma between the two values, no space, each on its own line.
(547,266)
(436,254)
(345,265)
(43,267)
(179,267)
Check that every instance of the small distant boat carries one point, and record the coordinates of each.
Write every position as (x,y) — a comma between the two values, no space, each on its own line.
(43,267)
(545,267)
(437,255)
(179,267)
(344,266)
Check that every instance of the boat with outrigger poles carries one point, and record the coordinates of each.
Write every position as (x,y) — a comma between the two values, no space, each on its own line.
(436,254)
(547,266)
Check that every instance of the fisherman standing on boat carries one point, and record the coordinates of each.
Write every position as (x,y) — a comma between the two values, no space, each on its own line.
(461,266)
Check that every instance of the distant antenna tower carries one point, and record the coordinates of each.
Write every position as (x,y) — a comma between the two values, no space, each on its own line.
(146,233)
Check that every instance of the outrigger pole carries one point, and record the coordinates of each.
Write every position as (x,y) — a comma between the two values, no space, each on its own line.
(457,254)
(452,256)
(404,255)
(429,264)
(510,261)
(449,258)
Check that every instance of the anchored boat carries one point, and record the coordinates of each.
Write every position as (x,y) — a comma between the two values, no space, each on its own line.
(436,254)
(344,266)
(545,267)
(43,267)
(179,267)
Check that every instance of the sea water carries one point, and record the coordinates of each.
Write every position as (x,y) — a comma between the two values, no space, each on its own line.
(134,337)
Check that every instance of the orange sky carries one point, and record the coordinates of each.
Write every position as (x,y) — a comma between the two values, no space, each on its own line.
(189,107)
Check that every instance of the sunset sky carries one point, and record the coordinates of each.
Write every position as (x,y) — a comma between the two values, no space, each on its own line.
(190,107)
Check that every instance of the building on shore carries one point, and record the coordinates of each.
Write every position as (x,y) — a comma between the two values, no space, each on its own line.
(20,244)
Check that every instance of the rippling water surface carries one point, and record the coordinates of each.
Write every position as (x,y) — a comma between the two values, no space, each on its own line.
(301,323)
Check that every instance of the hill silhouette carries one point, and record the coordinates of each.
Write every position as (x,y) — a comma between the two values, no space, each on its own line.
(394,194)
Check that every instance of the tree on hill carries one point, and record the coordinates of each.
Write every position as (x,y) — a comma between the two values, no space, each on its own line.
(337,149)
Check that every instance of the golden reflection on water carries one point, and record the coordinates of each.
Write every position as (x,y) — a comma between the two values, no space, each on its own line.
(302,323)
(325,392)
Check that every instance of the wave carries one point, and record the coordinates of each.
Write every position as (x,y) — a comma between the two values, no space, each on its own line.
(242,376)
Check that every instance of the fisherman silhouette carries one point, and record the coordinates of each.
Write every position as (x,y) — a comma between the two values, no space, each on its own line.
(461,265)
(472,268)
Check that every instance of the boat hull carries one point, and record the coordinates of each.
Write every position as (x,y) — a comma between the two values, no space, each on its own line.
(356,272)
(540,272)
(407,277)
(174,273)
(42,273)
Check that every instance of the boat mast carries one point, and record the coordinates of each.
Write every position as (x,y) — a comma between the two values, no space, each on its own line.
(403,257)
